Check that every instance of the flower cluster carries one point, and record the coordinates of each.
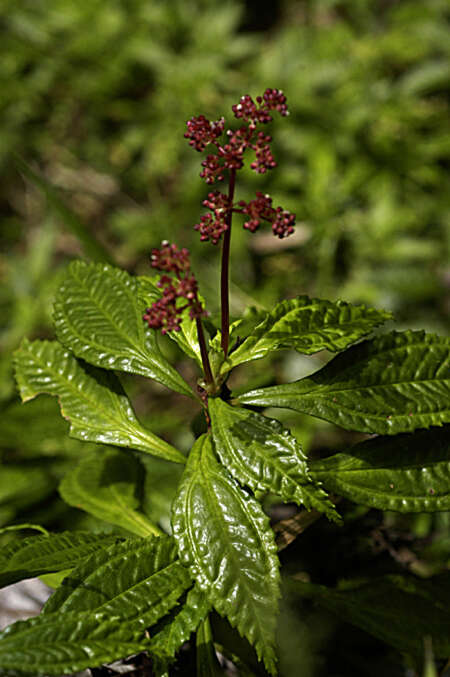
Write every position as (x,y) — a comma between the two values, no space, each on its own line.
(166,313)
(261,210)
(229,156)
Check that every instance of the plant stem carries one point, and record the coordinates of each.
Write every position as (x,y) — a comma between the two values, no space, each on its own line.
(209,379)
(224,278)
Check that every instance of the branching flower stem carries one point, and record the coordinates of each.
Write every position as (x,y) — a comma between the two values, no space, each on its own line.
(224,279)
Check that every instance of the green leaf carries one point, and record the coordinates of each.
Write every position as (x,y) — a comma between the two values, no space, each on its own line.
(91,399)
(307,325)
(22,485)
(408,473)
(263,455)
(399,610)
(186,338)
(58,644)
(390,384)
(179,626)
(98,316)
(138,580)
(224,537)
(37,555)
(108,484)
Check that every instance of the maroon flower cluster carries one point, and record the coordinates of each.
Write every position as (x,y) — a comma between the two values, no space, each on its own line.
(165,313)
(229,155)
(261,209)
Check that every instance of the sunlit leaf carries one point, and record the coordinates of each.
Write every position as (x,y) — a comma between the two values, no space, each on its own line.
(390,384)
(307,325)
(30,557)
(263,455)
(91,399)
(224,537)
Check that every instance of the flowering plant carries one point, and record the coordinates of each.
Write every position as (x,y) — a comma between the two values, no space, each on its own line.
(151,586)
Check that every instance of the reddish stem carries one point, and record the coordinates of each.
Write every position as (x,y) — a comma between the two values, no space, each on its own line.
(224,278)
(203,352)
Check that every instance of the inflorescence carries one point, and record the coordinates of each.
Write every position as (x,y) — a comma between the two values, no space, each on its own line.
(229,155)
(166,313)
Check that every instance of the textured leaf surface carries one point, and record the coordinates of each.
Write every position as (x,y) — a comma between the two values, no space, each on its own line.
(307,325)
(139,580)
(399,610)
(55,644)
(263,455)
(224,537)
(180,625)
(186,338)
(36,555)
(391,384)
(98,316)
(408,473)
(91,399)
(108,484)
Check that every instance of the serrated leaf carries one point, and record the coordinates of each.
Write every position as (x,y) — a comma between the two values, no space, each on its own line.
(408,473)
(61,644)
(98,317)
(263,455)
(107,484)
(390,384)
(181,624)
(399,610)
(308,326)
(138,580)
(37,555)
(186,338)
(224,537)
(91,399)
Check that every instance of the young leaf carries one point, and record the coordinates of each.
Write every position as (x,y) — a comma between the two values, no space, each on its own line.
(99,318)
(58,644)
(307,325)
(138,580)
(408,473)
(180,625)
(107,484)
(263,455)
(224,537)
(91,399)
(186,338)
(399,610)
(390,384)
(37,555)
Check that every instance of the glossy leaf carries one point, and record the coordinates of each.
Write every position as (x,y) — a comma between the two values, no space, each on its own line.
(408,473)
(36,555)
(181,624)
(98,316)
(263,455)
(224,537)
(399,610)
(107,484)
(61,644)
(138,580)
(186,338)
(91,399)
(391,384)
(307,325)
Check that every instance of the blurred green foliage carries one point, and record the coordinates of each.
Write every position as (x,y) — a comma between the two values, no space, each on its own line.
(94,101)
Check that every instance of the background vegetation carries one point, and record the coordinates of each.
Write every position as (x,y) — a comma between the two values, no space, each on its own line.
(93,163)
